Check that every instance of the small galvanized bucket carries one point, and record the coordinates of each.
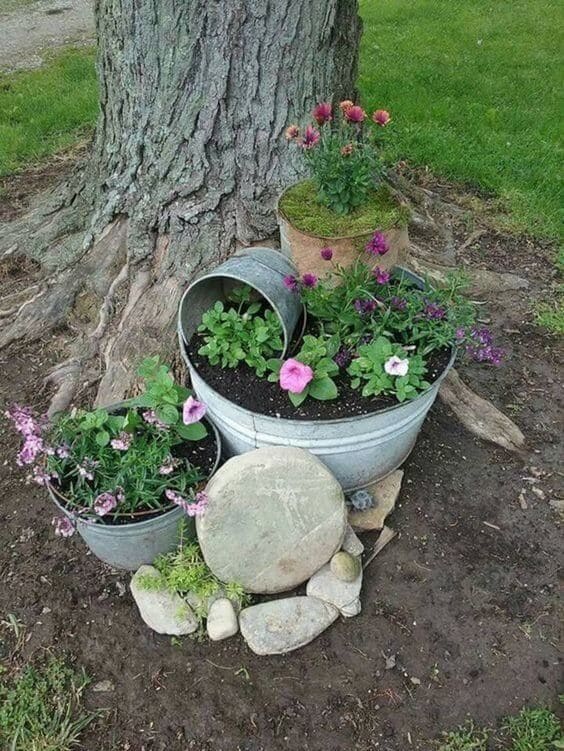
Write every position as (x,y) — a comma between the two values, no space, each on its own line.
(263,269)
(128,546)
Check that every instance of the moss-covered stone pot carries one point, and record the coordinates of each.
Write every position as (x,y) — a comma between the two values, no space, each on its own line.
(307,226)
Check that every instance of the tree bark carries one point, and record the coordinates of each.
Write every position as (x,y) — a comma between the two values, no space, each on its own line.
(187,161)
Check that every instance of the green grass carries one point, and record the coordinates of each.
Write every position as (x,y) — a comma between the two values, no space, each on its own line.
(533,730)
(473,89)
(40,708)
(45,110)
(465,738)
(300,205)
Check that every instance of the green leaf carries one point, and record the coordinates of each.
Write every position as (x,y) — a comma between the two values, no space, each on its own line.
(167,414)
(144,400)
(102,438)
(194,432)
(298,399)
(323,389)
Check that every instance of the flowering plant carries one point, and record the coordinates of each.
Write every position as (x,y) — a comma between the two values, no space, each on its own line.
(342,151)
(111,464)
(310,373)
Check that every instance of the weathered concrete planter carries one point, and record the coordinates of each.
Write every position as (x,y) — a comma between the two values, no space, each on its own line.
(128,546)
(304,247)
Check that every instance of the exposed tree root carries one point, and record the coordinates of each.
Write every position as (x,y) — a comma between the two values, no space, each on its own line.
(479,416)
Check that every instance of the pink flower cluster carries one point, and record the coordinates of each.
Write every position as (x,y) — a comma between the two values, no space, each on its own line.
(63,526)
(122,442)
(192,508)
(30,429)
(151,418)
(378,245)
(323,113)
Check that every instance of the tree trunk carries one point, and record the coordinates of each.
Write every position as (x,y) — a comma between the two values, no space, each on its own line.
(187,160)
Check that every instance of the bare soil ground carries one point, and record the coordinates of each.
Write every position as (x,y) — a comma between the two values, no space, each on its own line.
(465,597)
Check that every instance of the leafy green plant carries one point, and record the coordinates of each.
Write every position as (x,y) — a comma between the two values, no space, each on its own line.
(41,708)
(184,571)
(534,729)
(247,333)
(466,738)
(383,367)
(110,464)
(316,353)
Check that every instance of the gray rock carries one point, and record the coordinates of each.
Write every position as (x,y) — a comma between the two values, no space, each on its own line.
(163,611)
(280,626)
(222,619)
(385,494)
(275,516)
(345,566)
(351,543)
(103,687)
(324,585)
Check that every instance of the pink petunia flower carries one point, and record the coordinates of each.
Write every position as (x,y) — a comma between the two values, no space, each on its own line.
(355,114)
(395,366)
(381,117)
(104,503)
(322,113)
(310,137)
(63,526)
(193,411)
(295,376)
(326,254)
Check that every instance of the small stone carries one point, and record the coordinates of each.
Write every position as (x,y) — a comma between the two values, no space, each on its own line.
(275,516)
(280,626)
(162,610)
(103,687)
(222,619)
(385,494)
(415,681)
(351,543)
(345,566)
(344,595)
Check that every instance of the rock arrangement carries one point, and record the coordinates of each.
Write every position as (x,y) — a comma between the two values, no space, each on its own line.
(276,519)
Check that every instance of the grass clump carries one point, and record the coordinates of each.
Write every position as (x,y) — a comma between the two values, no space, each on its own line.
(300,205)
(46,110)
(465,738)
(551,315)
(41,708)
(534,730)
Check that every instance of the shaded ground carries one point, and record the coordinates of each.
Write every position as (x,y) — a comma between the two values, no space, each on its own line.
(465,597)
(32,28)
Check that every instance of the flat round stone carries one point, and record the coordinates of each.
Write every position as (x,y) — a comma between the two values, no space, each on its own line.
(275,516)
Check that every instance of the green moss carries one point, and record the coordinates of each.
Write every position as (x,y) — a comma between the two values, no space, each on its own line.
(299,204)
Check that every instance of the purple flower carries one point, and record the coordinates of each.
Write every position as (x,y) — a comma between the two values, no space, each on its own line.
(459,334)
(326,254)
(63,451)
(122,442)
(343,357)
(378,245)
(399,303)
(364,307)
(191,508)
(482,336)
(381,275)
(23,420)
(104,503)
(291,283)
(309,280)
(42,476)
(434,311)
(310,138)
(33,447)
(486,354)
(322,113)
(63,526)
(151,418)
(86,469)
(192,411)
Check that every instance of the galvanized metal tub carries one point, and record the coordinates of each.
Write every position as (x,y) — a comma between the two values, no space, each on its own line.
(264,270)
(358,450)
(128,546)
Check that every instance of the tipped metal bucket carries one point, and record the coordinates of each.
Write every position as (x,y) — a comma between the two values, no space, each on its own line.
(263,269)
